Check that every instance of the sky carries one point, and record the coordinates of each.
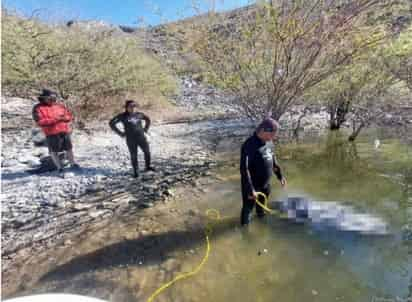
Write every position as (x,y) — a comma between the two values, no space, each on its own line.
(124,12)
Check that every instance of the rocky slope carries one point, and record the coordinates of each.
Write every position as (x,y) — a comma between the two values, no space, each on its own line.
(36,207)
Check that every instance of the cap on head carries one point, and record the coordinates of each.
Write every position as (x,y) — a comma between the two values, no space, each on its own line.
(47,94)
(268,125)
(130,103)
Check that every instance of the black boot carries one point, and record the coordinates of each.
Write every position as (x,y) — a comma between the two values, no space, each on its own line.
(150,168)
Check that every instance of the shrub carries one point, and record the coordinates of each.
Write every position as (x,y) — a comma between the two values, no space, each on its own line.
(83,66)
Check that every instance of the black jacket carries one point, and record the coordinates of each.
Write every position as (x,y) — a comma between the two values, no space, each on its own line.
(132,123)
(257,165)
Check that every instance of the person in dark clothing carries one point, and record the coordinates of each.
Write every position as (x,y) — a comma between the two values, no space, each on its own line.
(134,133)
(257,165)
(54,119)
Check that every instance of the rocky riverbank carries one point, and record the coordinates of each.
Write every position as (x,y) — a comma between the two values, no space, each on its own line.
(37,207)
(40,211)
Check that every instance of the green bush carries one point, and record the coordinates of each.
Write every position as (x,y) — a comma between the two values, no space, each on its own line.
(84,66)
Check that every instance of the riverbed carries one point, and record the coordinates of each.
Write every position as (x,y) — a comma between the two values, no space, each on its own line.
(128,257)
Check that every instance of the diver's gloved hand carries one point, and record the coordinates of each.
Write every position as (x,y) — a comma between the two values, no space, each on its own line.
(253,195)
(283,182)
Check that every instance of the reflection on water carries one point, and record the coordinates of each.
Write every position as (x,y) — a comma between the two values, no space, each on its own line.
(274,259)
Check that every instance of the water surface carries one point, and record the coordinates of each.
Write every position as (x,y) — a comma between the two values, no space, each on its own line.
(273,259)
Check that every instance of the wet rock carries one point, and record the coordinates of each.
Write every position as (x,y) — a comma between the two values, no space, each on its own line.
(94,188)
(38,236)
(144,232)
(82,206)
(49,203)
(192,212)
(68,242)
(40,152)
(407,233)
(170,265)
(100,178)
(145,205)
(68,174)
(9,163)
(99,213)
(157,195)
(168,193)
(149,187)
(23,220)
(38,137)
(29,160)
(110,205)
(148,176)
(261,252)
(207,173)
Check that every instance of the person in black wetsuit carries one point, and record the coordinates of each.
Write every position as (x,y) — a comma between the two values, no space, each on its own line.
(257,165)
(134,133)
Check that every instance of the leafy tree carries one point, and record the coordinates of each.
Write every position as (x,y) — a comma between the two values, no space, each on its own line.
(362,90)
(280,51)
(398,57)
(82,65)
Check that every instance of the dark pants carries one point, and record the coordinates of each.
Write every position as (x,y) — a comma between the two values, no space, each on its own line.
(248,204)
(59,142)
(133,144)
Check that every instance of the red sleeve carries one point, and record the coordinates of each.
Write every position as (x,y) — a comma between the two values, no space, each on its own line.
(42,120)
(68,116)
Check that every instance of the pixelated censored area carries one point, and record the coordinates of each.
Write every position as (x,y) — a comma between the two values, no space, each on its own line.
(331,214)
(396,299)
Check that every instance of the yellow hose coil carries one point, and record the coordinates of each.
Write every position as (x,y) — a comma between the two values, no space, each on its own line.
(265,202)
(213,215)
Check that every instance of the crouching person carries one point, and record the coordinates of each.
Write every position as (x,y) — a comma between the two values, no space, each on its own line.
(54,119)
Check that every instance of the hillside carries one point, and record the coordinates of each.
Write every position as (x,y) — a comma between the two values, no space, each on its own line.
(91,67)
(160,66)
(171,41)
(205,82)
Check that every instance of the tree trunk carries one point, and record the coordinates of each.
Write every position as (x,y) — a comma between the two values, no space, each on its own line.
(338,112)
(276,114)
(297,126)
(333,125)
(356,132)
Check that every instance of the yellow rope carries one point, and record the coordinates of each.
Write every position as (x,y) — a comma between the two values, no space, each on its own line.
(184,275)
(212,214)
(265,202)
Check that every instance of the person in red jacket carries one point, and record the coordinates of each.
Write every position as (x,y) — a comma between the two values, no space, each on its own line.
(54,119)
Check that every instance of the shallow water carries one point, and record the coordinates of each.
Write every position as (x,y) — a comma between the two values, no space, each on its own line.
(273,259)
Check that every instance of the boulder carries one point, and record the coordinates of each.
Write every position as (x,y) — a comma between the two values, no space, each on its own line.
(9,163)
(29,160)
(38,137)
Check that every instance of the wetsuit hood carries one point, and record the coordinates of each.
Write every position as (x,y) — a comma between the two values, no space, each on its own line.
(257,138)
